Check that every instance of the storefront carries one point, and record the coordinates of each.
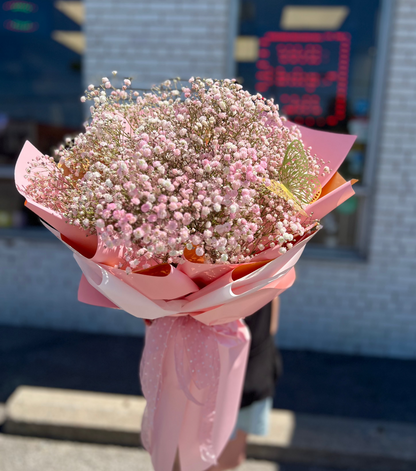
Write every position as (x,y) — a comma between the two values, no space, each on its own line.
(330,64)
(40,85)
(317,60)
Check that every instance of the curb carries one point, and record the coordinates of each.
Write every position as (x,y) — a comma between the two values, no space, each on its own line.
(295,438)
(74,415)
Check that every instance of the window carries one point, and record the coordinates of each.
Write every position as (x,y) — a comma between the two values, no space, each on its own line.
(317,60)
(40,87)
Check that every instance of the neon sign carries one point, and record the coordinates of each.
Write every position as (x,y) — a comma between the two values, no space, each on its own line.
(310,72)
(21,17)
(20,26)
(20,7)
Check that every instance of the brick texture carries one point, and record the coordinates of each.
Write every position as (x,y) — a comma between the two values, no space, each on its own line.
(38,287)
(153,41)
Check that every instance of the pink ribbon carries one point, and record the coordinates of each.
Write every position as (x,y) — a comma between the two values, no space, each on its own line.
(196,363)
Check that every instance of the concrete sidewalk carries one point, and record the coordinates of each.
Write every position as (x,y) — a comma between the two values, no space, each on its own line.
(294,438)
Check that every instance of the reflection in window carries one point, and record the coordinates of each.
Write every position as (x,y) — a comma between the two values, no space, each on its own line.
(40,86)
(316,59)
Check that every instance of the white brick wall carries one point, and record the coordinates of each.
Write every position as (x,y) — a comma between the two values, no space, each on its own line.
(351,307)
(153,41)
(38,287)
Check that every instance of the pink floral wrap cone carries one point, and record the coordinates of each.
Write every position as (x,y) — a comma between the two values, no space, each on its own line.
(196,349)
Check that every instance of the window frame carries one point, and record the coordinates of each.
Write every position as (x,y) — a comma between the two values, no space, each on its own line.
(364,190)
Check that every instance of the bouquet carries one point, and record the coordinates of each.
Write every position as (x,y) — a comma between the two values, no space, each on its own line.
(188,205)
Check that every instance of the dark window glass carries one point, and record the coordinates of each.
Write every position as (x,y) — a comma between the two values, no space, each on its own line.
(316,59)
(40,87)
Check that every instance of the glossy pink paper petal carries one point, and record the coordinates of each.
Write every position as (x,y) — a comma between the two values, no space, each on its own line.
(27,155)
(89,295)
(204,273)
(329,146)
(75,236)
(107,256)
(244,307)
(329,202)
(174,285)
(123,295)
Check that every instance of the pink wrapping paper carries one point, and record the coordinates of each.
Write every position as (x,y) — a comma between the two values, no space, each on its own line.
(88,295)
(329,146)
(328,203)
(194,305)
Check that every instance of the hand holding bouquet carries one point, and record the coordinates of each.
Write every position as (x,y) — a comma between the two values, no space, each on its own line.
(189,205)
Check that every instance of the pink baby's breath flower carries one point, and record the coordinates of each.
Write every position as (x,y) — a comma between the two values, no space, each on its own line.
(138,233)
(146,207)
(154,171)
(172,226)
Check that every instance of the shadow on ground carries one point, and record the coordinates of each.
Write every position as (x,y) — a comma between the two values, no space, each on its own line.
(315,383)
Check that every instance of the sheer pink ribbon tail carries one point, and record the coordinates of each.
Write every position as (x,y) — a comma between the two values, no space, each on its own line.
(182,362)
